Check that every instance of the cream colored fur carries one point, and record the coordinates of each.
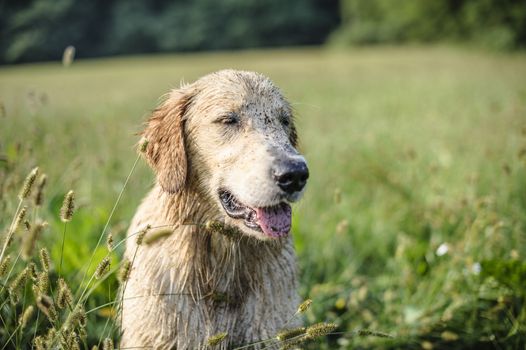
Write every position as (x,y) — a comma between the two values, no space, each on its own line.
(198,282)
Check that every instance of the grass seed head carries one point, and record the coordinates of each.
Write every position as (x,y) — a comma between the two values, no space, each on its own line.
(109,242)
(220,228)
(39,343)
(17,285)
(26,316)
(157,235)
(142,233)
(19,219)
(68,206)
(43,282)
(83,334)
(287,334)
(69,339)
(32,271)
(124,272)
(368,332)
(36,291)
(74,341)
(143,144)
(304,306)
(107,344)
(4,265)
(64,296)
(44,259)
(39,194)
(293,343)
(45,304)
(319,330)
(216,339)
(50,337)
(213,226)
(102,268)
(28,184)
(68,56)
(77,318)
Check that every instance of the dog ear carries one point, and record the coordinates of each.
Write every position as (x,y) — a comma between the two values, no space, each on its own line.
(165,151)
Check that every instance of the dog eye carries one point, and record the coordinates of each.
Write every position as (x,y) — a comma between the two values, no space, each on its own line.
(229,119)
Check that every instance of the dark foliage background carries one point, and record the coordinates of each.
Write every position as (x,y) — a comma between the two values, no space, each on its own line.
(35,30)
(40,29)
(497,24)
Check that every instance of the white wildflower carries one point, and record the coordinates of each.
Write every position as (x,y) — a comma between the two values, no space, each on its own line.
(442,249)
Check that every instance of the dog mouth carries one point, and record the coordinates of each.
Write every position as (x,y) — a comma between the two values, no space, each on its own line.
(274,221)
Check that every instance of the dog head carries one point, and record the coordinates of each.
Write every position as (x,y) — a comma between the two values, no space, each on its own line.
(230,136)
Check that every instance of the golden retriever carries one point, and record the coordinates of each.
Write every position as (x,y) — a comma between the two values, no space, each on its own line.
(224,153)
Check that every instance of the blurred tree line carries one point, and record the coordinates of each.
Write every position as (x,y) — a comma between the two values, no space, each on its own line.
(496,24)
(33,30)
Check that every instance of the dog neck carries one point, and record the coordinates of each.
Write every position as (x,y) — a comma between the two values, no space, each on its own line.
(209,260)
(197,281)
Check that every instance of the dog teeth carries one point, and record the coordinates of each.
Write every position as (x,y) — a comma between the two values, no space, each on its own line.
(250,215)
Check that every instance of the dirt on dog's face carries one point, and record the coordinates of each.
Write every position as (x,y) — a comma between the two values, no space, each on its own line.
(239,140)
(230,136)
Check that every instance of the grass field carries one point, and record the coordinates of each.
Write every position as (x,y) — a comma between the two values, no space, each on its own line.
(414,220)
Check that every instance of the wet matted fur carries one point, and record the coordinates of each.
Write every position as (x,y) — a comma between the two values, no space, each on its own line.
(227,130)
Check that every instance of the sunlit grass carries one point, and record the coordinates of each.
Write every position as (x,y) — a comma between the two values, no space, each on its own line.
(409,149)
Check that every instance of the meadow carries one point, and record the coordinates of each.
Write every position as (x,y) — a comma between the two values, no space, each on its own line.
(414,220)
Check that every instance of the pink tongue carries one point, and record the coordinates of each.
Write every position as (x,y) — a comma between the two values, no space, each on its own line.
(275,221)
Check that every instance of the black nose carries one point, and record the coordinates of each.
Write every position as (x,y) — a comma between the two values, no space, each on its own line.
(291,176)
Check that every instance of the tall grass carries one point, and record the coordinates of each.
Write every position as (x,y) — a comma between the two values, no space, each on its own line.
(413,223)
(33,287)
